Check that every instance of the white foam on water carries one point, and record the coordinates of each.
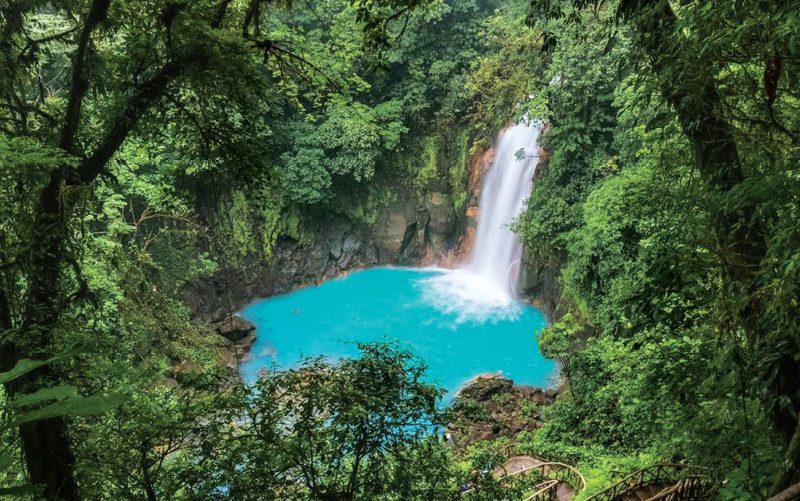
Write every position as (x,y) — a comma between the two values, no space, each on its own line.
(468,296)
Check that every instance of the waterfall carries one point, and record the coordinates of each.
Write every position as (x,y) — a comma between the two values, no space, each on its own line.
(485,287)
(497,251)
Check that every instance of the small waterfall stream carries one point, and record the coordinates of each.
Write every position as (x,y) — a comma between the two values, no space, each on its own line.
(485,287)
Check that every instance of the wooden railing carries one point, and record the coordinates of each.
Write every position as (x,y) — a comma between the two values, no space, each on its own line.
(548,471)
(508,451)
(543,478)
(692,487)
(557,471)
(688,483)
(546,491)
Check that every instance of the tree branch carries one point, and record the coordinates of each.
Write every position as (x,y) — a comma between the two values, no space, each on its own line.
(34,42)
(222,9)
(97,13)
(150,91)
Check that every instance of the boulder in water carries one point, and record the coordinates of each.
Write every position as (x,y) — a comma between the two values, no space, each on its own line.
(491,407)
(484,387)
(235,328)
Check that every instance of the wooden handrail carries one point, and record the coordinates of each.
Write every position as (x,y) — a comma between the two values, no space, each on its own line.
(559,472)
(658,473)
(547,486)
(691,487)
(556,467)
(508,451)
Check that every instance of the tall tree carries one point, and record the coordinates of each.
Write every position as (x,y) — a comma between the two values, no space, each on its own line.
(123,61)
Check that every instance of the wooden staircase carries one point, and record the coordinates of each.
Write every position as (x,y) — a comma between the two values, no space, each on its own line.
(661,482)
(547,481)
(539,479)
(543,480)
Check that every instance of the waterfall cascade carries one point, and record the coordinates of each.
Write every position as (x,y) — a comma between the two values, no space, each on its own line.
(485,287)
(497,251)
(463,322)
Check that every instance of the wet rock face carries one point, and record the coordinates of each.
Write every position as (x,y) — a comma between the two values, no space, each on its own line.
(215,297)
(405,233)
(542,284)
(492,407)
(412,229)
(441,218)
(337,248)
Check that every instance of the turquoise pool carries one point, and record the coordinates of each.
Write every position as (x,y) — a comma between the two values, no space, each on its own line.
(458,327)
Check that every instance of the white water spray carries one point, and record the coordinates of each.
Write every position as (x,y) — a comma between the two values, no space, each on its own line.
(486,286)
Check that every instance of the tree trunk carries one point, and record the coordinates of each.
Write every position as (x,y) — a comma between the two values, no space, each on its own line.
(687,84)
(790,494)
(45,444)
(49,458)
(791,473)
(147,482)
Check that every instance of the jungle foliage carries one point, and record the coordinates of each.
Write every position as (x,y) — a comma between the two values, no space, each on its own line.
(669,203)
(144,144)
(147,143)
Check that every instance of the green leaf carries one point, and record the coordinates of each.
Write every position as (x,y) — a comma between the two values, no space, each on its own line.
(23,366)
(19,490)
(45,394)
(26,365)
(81,406)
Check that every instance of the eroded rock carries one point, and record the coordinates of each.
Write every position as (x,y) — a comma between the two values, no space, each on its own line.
(491,406)
(484,387)
(235,327)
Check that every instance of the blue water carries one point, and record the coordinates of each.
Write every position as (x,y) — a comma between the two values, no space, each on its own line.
(399,304)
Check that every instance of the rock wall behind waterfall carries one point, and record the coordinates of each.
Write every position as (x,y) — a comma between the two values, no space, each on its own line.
(541,282)
(432,225)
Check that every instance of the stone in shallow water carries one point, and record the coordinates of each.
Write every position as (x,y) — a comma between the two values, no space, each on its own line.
(483,387)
